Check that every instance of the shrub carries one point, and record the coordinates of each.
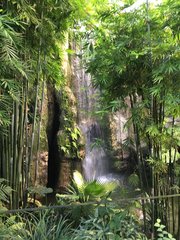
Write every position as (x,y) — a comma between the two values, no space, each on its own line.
(44,226)
(109,224)
(162,234)
(83,191)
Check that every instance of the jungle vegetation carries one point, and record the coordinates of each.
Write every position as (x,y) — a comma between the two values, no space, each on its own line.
(133,58)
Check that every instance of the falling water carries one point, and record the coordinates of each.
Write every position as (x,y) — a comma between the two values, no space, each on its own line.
(96,161)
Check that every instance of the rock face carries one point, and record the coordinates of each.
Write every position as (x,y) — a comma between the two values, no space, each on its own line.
(99,134)
(96,162)
(76,137)
(65,142)
(121,136)
(64,146)
(43,168)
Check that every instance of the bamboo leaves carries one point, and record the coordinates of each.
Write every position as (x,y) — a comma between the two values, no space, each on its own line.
(30,32)
(137,59)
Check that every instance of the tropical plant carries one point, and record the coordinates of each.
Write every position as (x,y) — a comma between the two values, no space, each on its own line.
(161,233)
(109,223)
(10,228)
(45,225)
(5,194)
(5,190)
(81,192)
(84,191)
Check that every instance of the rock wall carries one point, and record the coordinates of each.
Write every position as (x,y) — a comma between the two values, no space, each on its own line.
(70,119)
(65,143)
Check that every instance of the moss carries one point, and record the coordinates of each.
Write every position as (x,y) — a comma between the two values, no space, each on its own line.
(69,136)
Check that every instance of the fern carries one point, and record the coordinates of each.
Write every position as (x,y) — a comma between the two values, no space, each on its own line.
(5,191)
(134,180)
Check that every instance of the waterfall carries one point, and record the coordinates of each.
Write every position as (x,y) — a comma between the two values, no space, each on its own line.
(95,163)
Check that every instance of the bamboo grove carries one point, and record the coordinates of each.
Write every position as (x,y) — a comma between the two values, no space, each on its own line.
(133,56)
(30,36)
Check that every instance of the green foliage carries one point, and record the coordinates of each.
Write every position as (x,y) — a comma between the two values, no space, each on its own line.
(46,225)
(31,36)
(162,234)
(10,65)
(158,165)
(81,192)
(123,63)
(126,59)
(40,190)
(11,228)
(134,59)
(134,180)
(5,191)
(108,223)
(70,134)
(85,191)
(97,143)
(35,192)
(69,141)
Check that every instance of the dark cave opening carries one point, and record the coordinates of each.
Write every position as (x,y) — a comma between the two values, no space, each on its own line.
(52,131)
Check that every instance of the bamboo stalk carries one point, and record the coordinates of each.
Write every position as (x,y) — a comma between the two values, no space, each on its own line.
(20,145)
(8,154)
(38,133)
(4,158)
(12,143)
(152,205)
(37,92)
(26,147)
(178,234)
(139,158)
(15,134)
(172,180)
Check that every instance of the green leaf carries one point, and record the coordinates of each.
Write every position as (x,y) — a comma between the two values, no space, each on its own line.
(70,51)
(74,144)
(94,189)
(157,225)
(41,190)
(78,179)
(170,235)
(160,234)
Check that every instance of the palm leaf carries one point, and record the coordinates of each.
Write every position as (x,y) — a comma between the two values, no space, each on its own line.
(5,191)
